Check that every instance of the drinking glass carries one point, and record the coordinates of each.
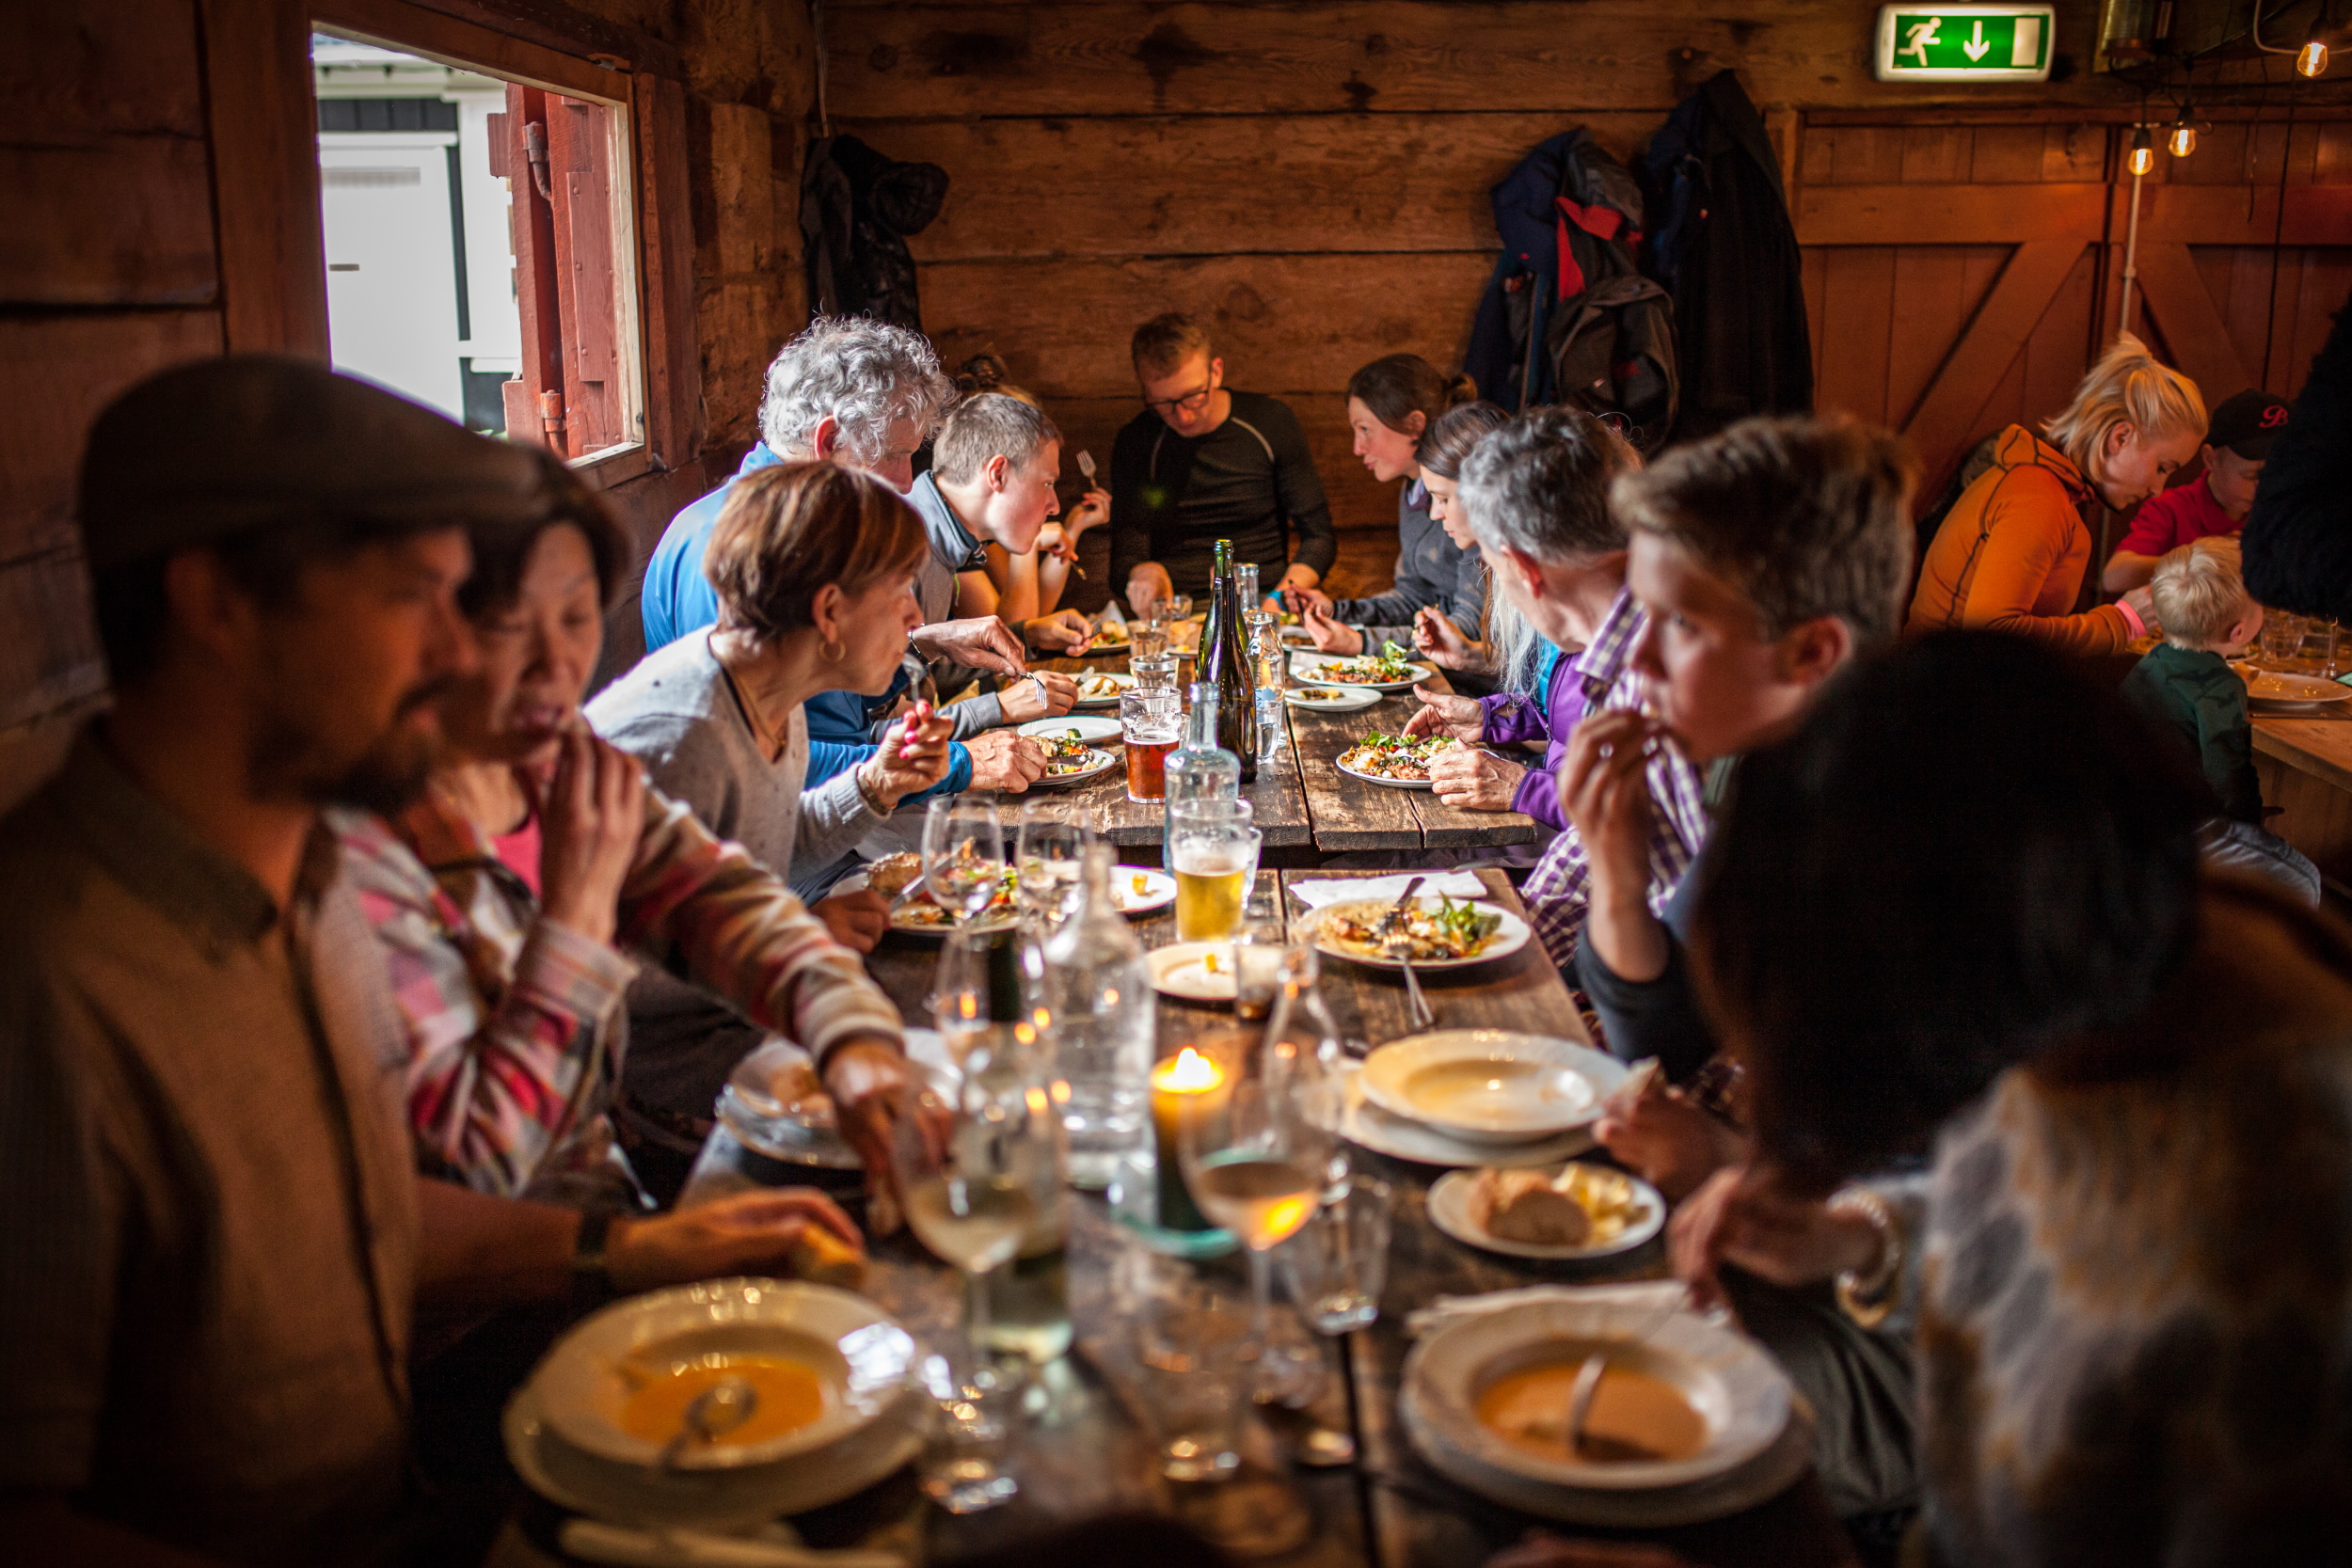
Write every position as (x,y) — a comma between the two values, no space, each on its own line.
(976,999)
(1255,1166)
(1150,722)
(976,1165)
(1259,945)
(1176,607)
(2282,637)
(1188,1337)
(963,855)
(1334,1266)
(1155,672)
(1146,639)
(1050,851)
(1215,861)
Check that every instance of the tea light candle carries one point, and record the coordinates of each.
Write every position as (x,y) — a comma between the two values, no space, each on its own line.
(1185,1085)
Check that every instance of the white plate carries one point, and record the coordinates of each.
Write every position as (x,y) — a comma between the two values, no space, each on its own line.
(1123,682)
(1449,1212)
(1297,637)
(2275,688)
(1738,1390)
(1098,761)
(1351,698)
(583,1484)
(1089,727)
(1522,1086)
(1158,892)
(1385,784)
(1362,1122)
(1750,1485)
(1180,970)
(1508,938)
(1303,671)
(860,1355)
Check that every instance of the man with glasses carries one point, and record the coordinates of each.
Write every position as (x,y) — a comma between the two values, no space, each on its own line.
(1201,464)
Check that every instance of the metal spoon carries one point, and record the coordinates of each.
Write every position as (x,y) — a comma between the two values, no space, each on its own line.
(715,1412)
(1588,1384)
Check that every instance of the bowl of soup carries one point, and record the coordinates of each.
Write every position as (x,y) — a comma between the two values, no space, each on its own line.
(1691,1400)
(820,1364)
(1491,1086)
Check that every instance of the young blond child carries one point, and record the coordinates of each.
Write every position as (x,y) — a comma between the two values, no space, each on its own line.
(2186,684)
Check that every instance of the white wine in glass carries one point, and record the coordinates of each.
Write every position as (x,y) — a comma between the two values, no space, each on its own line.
(977,1226)
(1262,1198)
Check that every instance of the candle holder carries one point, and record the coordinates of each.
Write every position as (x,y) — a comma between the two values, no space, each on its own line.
(1148,1194)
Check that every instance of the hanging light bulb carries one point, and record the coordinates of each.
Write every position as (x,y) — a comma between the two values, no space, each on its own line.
(2311,59)
(2182,141)
(2144,156)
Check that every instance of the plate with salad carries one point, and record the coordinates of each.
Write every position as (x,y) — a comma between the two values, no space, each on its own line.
(1331,699)
(1438,933)
(1393,669)
(1394,761)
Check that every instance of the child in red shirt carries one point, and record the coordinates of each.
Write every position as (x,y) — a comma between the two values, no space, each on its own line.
(2237,443)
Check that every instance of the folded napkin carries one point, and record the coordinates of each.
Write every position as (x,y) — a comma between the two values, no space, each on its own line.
(774,1545)
(1454,884)
(1650,1294)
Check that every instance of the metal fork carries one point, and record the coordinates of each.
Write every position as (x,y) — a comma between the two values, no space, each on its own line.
(1399,947)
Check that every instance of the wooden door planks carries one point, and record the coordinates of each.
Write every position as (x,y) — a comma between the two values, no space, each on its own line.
(1348,812)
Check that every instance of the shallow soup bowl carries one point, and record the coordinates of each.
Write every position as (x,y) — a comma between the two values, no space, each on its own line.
(860,1357)
(1491,1086)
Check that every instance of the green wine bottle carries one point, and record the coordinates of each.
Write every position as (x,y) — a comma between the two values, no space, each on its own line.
(1225,664)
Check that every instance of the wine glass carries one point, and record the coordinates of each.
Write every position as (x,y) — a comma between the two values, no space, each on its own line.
(977,1166)
(963,856)
(1256,1163)
(1050,851)
(976,1002)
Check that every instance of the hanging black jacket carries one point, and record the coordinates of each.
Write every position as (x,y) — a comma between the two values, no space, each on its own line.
(2298,537)
(1725,249)
(857,207)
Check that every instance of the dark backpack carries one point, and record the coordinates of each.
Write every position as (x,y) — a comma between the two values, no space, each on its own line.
(1610,338)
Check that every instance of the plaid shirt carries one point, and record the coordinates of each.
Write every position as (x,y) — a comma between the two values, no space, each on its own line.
(1558,891)
(513,1022)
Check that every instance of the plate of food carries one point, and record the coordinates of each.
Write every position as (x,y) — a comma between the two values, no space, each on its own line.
(1440,932)
(1331,699)
(1069,762)
(1492,1086)
(1135,890)
(1394,761)
(1093,728)
(2276,689)
(1561,1214)
(1193,971)
(1103,687)
(1393,669)
(1110,635)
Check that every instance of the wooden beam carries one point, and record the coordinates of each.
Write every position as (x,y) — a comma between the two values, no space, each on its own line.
(674,376)
(120,220)
(2192,328)
(265,176)
(73,69)
(454,40)
(1947,412)
(2243,215)
(1949,215)
(50,657)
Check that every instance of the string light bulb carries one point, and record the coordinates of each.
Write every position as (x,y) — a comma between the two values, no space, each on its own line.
(2182,141)
(2311,59)
(2143,157)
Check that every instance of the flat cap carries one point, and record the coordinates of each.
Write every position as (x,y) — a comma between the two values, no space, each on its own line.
(221,447)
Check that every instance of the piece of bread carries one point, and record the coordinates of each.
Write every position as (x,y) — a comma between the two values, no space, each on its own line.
(890,874)
(822,1258)
(1525,1206)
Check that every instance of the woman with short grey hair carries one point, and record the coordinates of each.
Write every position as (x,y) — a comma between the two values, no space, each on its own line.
(878,386)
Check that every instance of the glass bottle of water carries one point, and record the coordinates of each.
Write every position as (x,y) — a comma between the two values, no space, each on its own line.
(1097,996)
(1199,769)
(1304,1052)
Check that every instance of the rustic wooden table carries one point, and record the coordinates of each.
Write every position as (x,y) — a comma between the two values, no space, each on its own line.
(1087,1449)
(1302,799)
(2304,761)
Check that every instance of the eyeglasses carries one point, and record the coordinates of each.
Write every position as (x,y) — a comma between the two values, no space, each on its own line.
(1191,402)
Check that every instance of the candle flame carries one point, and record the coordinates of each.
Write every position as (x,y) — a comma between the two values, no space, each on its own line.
(1190,1072)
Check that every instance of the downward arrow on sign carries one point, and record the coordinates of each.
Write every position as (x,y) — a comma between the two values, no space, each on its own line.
(1976,46)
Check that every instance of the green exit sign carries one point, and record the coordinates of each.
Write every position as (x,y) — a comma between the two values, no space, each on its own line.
(1964,43)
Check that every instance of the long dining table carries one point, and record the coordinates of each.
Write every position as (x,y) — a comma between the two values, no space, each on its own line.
(1300,798)
(1088,1448)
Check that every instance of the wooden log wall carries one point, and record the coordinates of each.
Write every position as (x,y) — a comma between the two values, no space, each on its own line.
(1311,178)
(116,120)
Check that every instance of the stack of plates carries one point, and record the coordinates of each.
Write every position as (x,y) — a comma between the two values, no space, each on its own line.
(563,1432)
(1480,1096)
(1757,1439)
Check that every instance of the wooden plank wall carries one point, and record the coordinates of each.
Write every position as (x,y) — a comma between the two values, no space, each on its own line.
(1313,180)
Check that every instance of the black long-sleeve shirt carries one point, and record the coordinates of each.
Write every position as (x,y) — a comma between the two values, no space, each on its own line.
(1250,480)
(1431,570)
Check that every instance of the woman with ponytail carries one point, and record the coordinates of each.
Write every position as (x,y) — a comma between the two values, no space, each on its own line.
(1389,405)
(2012,553)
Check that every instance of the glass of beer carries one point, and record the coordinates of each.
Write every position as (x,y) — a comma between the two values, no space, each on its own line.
(1151,721)
(1215,861)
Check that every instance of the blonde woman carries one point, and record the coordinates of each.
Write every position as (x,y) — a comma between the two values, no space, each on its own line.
(2012,553)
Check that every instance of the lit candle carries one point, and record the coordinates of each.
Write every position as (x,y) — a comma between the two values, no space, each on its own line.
(1185,1085)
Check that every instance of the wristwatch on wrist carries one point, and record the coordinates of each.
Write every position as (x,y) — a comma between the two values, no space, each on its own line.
(1868,1297)
(591,1278)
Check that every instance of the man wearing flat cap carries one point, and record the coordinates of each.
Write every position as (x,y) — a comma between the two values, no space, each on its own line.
(214,1237)
(2238,444)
